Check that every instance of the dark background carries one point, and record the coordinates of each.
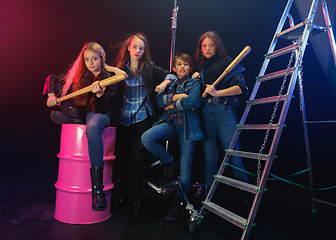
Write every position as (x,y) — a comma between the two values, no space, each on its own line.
(38,38)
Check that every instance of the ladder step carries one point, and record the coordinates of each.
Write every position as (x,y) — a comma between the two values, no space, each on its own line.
(225,214)
(237,184)
(257,126)
(281,51)
(247,154)
(266,100)
(275,75)
(295,32)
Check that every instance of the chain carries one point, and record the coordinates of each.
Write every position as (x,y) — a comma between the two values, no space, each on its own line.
(300,68)
(299,65)
(273,115)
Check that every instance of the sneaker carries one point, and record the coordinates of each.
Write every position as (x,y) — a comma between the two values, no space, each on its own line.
(177,211)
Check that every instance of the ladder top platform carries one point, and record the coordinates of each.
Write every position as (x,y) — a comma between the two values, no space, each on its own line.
(295,32)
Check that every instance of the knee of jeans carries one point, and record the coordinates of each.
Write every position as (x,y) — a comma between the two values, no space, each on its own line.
(147,139)
(144,138)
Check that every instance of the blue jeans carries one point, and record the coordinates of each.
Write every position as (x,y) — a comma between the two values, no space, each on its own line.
(95,124)
(219,118)
(167,131)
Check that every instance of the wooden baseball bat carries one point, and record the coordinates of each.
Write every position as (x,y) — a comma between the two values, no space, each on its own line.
(103,83)
(232,65)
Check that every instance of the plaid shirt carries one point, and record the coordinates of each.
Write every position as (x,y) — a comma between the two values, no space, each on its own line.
(175,116)
(135,104)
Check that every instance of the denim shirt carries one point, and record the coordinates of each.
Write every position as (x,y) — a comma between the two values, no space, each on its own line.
(187,107)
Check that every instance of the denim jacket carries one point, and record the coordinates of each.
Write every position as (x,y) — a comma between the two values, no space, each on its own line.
(188,106)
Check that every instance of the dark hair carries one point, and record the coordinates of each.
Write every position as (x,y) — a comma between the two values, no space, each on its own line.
(185,57)
(124,56)
(220,51)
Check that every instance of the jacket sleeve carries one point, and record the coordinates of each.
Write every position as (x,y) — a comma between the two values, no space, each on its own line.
(164,99)
(159,74)
(103,103)
(194,98)
(53,84)
(239,80)
(106,102)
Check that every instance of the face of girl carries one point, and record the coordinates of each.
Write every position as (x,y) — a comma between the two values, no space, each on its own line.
(182,68)
(136,48)
(92,62)
(208,48)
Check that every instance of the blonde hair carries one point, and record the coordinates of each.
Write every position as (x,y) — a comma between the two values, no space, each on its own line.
(79,76)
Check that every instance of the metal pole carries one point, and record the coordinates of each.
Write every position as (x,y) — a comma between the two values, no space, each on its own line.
(172,46)
(173,36)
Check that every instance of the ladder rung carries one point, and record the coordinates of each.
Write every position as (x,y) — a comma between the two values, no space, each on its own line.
(296,31)
(257,126)
(225,214)
(247,154)
(281,51)
(275,75)
(237,184)
(266,100)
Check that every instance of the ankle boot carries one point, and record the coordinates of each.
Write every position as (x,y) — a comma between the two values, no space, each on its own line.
(136,207)
(169,174)
(60,117)
(122,201)
(98,195)
(177,210)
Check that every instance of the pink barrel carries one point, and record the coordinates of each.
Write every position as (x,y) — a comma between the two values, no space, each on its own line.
(73,186)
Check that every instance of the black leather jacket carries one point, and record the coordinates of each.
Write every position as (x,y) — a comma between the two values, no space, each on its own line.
(105,104)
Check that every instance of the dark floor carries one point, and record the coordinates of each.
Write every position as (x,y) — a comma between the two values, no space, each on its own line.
(27,205)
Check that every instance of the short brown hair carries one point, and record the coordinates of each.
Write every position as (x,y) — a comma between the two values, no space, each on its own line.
(185,57)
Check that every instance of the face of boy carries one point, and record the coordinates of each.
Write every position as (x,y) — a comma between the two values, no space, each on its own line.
(208,48)
(136,48)
(182,68)
(92,62)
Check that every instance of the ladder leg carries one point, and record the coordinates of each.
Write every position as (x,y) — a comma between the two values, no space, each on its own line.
(305,131)
(329,29)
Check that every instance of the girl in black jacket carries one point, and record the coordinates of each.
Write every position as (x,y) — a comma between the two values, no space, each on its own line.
(136,99)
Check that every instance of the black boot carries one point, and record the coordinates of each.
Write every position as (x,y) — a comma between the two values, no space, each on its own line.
(98,195)
(122,201)
(136,207)
(66,113)
(177,210)
(60,117)
(169,174)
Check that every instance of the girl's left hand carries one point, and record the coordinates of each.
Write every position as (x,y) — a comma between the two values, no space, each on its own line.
(97,89)
(118,71)
(211,90)
(115,70)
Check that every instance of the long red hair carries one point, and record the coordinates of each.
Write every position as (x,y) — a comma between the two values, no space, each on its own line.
(79,76)
(124,56)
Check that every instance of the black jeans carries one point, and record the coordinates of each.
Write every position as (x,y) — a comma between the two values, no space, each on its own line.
(132,153)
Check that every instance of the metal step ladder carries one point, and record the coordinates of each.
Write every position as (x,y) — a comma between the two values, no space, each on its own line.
(299,35)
